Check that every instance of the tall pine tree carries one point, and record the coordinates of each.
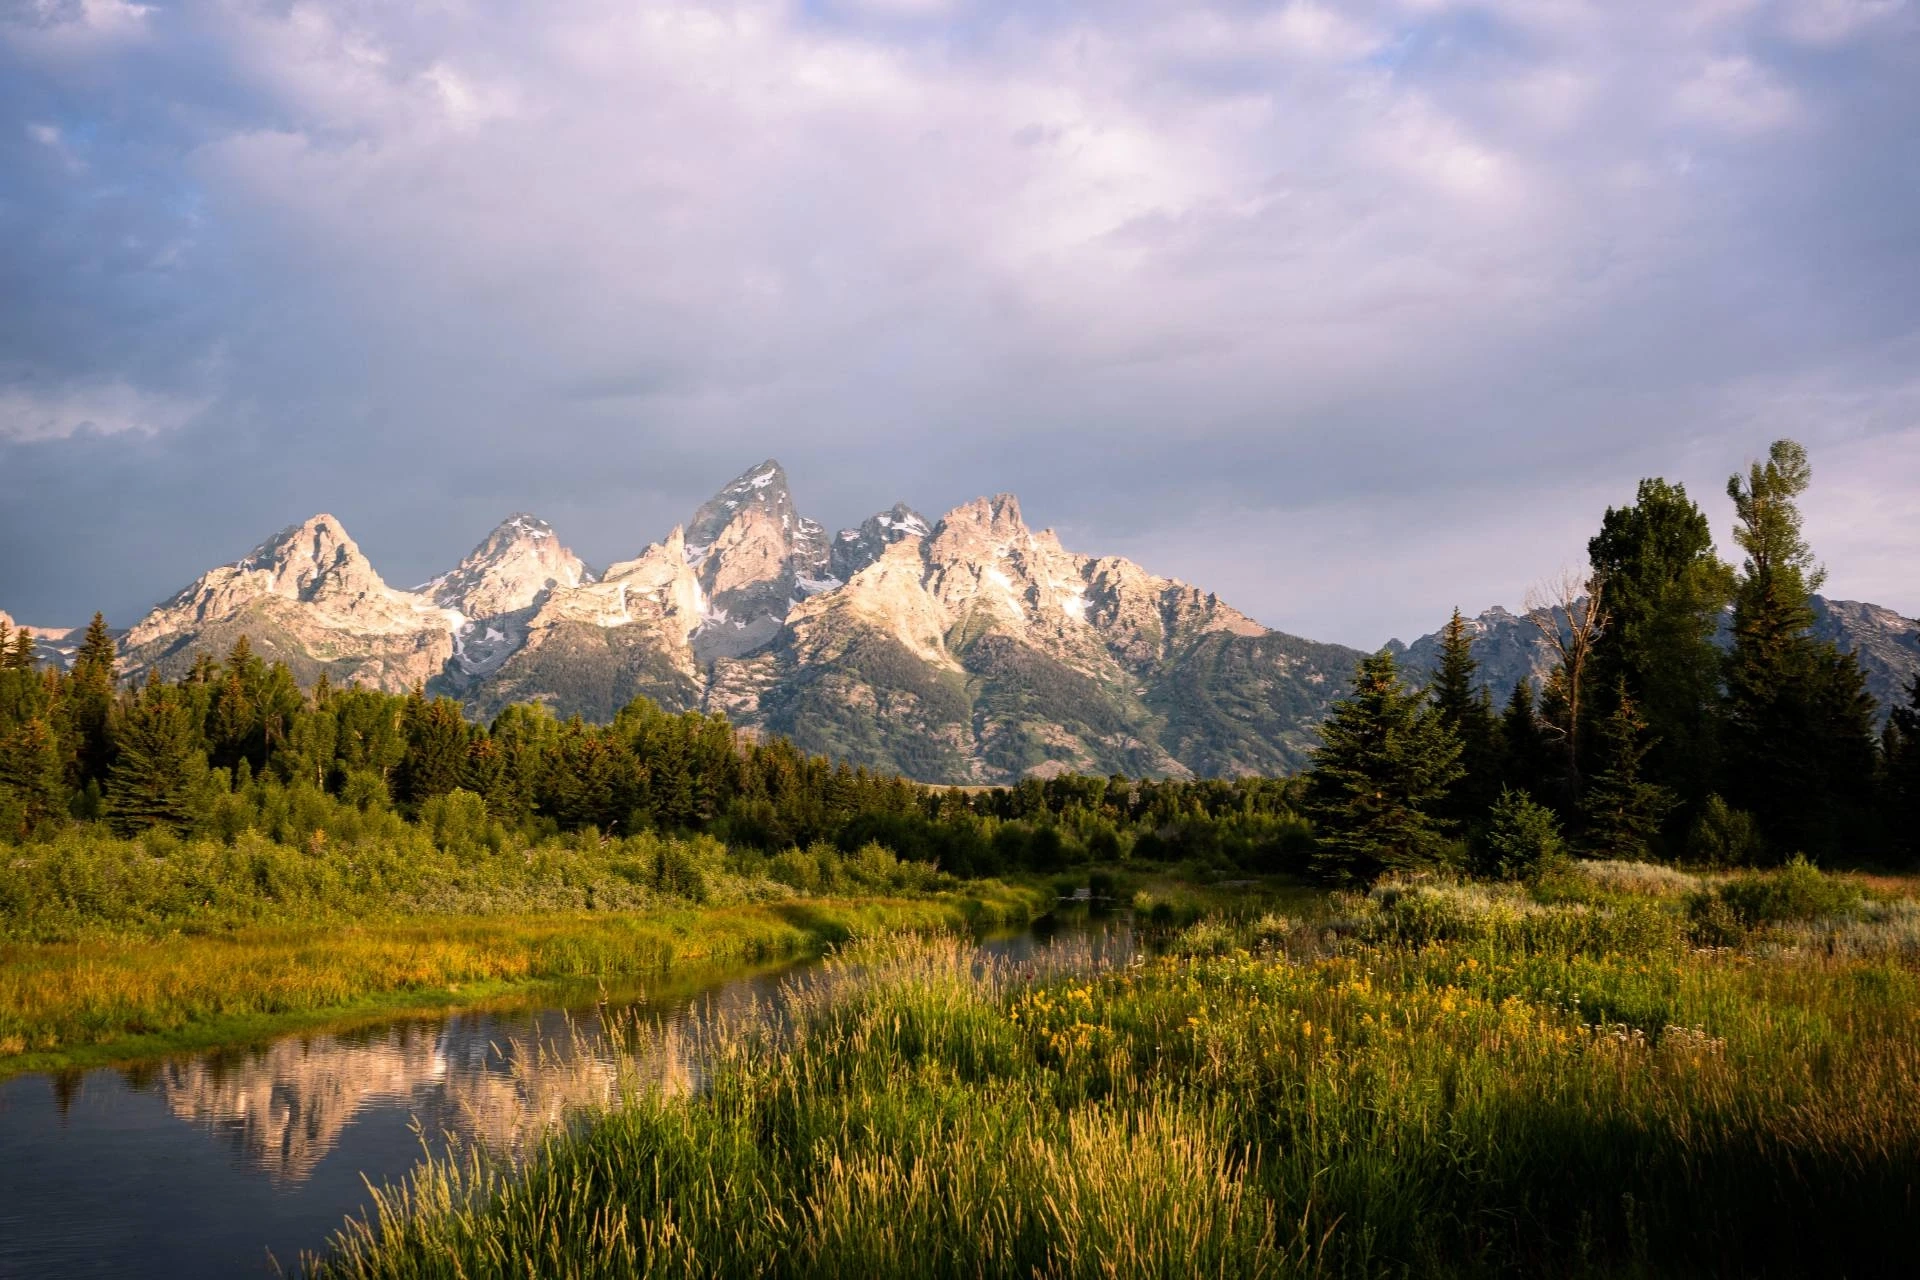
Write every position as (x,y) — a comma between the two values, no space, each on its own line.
(1800,745)
(88,704)
(158,768)
(1900,775)
(1467,709)
(1623,809)
(1666,593)
(1385,764)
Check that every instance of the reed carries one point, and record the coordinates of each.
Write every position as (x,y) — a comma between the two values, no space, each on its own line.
(1429,1080)
(112,997)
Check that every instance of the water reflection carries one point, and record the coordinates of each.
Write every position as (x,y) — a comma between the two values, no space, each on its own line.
(200,1166)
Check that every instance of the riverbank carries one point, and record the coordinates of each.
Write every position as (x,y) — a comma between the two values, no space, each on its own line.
(1626,1070)
(110,998)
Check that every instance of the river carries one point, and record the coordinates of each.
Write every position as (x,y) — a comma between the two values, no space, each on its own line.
(222,1163)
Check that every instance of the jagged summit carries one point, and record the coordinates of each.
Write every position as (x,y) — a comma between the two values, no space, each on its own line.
(764,487)
(855,549)
(512,569)
(754,555)
(307,595)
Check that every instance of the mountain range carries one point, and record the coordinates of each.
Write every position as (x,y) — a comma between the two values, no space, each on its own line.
(968,649)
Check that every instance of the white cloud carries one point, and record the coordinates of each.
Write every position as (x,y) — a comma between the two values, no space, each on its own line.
(1323,241)
(1832,22)
(1736,95)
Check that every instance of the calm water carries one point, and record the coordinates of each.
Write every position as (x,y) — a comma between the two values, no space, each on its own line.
(220,1163)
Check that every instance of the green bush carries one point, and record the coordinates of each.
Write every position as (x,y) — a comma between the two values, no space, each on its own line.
(1723,836)
(1522,840)
(1795,892)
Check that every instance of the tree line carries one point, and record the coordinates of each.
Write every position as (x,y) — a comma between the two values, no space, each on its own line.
(237,744)
(1650,737)
(1647,739)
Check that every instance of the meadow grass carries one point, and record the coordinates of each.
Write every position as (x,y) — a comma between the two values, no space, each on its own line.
(1431,1079)
(115,997)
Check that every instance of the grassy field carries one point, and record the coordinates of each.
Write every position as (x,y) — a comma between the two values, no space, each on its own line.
(1625,1071)
(114,998)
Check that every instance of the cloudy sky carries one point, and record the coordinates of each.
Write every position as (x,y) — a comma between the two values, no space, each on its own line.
(1348,311)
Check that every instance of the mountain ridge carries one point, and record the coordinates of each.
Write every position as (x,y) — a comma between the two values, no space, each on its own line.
(967,649)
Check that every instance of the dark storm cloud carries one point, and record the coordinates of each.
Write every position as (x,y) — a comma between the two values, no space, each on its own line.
(1351,312)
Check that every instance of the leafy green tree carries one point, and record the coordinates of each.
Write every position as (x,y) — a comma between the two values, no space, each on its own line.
(1385,763)
(158,769)
(1723,836)
(1521,841)
(1666,591)
(1623,810)
(1467,710)
(1800,743)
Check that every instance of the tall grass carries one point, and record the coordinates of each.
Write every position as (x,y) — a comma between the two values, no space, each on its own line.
(111,998)
(1431,1080)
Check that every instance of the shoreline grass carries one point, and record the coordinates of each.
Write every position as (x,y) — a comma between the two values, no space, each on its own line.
(1431,1079)
(110,998)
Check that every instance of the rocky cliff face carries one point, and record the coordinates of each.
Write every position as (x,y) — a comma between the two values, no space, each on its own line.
(968,649)
(1887,645)
(980,650)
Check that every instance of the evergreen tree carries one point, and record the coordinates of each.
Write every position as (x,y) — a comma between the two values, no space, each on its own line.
(1522,839)
(89,703)
(157,769)
(1386,761)
(31,791)
(23,657)
(1467,710)
(1523,748)
(1800,745)
(1623,810)
(437,739)
(1666,593)
(1900,774)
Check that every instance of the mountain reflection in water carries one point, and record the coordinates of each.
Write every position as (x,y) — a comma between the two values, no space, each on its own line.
(210,1165)
(100,1176)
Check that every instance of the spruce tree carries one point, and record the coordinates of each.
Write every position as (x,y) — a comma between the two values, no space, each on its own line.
(1900,775)
(88,704)
(1623,810)
(1466,709)
(1666,593)
(158,767)
(1523,749)
(437,741)
(1386,761)
(1800,749)
(30,784)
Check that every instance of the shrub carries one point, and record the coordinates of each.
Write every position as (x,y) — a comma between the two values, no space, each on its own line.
(1522,839)
(1723,836)
(1795,892)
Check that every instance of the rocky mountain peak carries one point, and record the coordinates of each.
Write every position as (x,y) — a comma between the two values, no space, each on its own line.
(307,560)
(754,555)
(996,519)
(511,569)
(761,489)
(855,549)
